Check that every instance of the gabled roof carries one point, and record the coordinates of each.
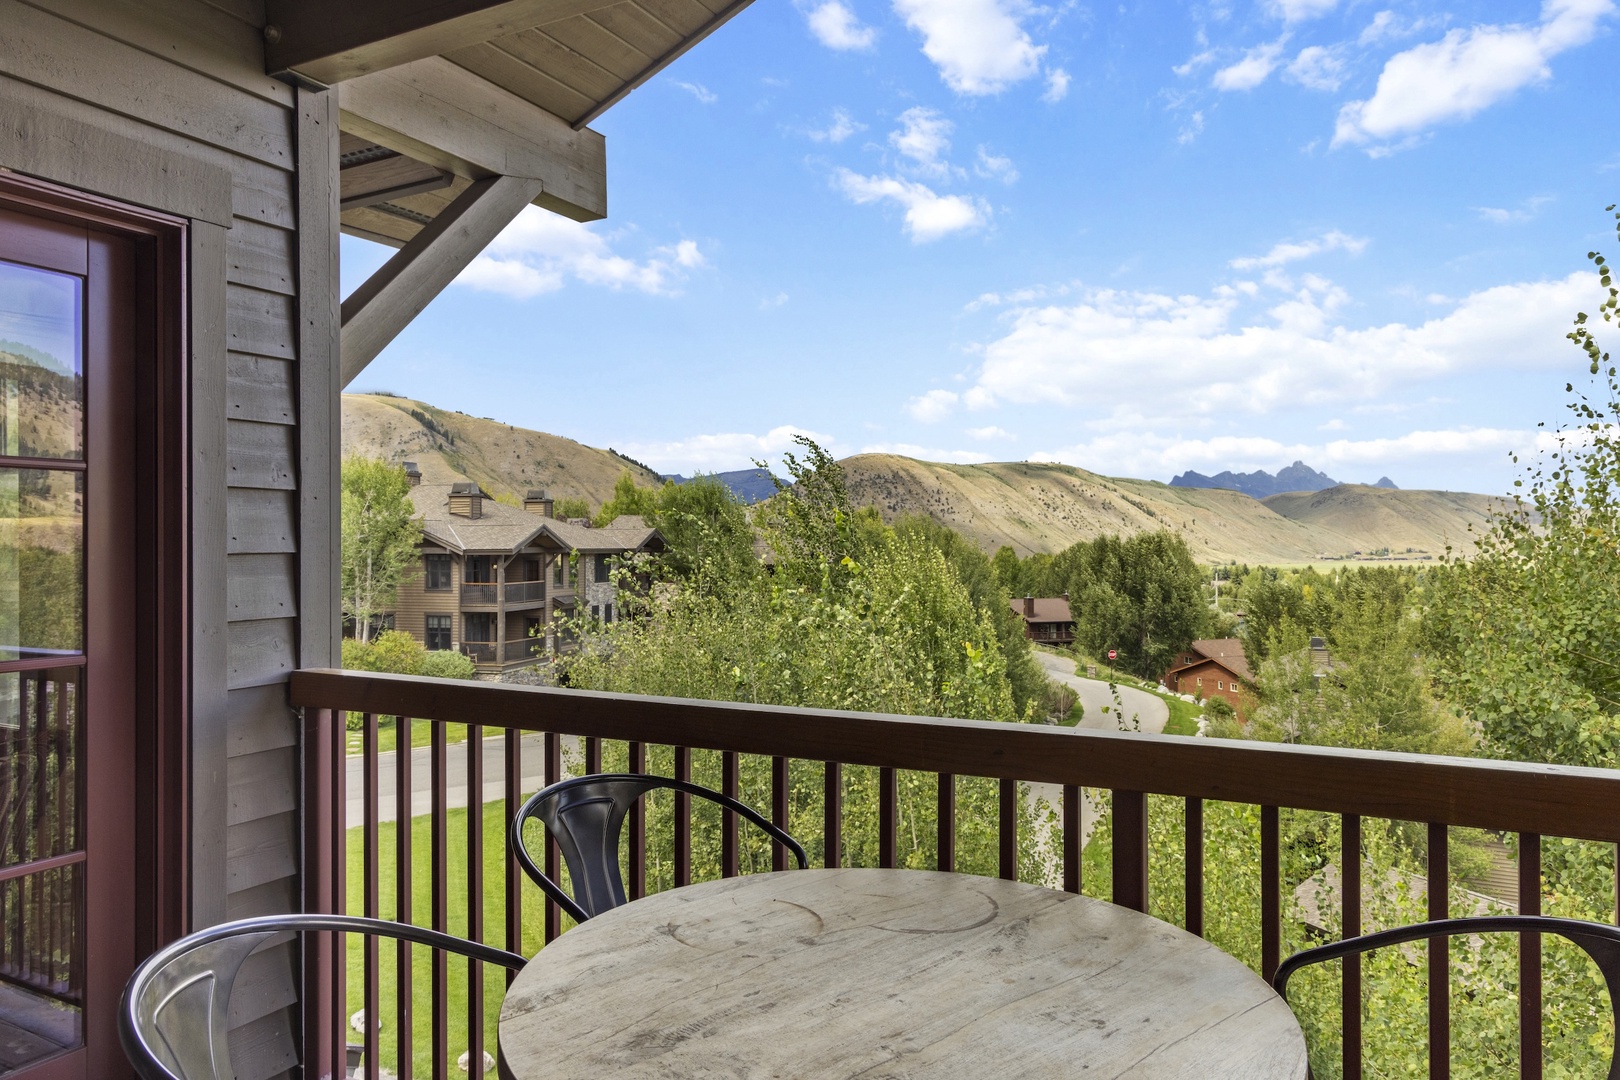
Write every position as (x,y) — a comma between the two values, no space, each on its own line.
(1047,609)
(500,529)
(627,532)
(1227,652)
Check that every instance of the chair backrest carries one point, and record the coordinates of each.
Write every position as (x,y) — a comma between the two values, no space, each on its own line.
(172,1020)
(585,815)
(1599,941)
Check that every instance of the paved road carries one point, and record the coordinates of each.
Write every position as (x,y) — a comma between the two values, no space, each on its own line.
(532,755)
(1148,709)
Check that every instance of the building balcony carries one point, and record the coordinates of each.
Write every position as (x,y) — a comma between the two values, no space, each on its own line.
(511,652)
(801,765)
(489,594)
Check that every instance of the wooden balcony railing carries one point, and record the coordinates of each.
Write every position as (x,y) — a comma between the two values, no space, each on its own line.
(478,594)
(1121,770)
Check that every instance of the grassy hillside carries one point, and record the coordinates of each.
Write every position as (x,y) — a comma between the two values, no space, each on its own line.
(450,446)
(1040,507)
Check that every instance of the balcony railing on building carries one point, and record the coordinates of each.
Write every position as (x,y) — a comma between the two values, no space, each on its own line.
(804,763)
(488,594)
(495,652)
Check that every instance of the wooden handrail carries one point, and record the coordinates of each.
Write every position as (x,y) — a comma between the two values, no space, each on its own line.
(1500,795)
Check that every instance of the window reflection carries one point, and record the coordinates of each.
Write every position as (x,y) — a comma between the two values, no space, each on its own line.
(41,363)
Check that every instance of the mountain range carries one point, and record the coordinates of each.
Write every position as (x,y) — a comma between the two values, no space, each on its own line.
(1028,506)
(1261,484)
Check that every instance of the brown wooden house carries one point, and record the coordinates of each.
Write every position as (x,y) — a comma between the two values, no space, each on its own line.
(1046,619)
(494,578)
(1214,667)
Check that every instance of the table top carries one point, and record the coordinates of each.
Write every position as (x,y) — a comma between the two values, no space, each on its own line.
(884,974)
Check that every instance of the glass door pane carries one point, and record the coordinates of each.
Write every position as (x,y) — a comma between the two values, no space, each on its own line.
(42,567)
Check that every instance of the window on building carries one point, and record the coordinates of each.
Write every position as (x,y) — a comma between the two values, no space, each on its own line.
(601,568)
(1200,680)
(480,569)
(436,572)
(596,611)
(438,631)
(1220,685)
(607,612)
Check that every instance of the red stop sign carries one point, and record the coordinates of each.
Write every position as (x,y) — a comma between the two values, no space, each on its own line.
(1112,655)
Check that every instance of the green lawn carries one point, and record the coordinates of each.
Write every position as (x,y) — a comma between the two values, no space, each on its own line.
(1183,716)
(421,732)
(494,979)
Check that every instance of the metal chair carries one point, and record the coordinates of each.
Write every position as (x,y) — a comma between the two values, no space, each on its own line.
(172,1019)
(1600,941)
(586,815)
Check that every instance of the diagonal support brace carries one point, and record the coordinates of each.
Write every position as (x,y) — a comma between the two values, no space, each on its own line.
(377,311)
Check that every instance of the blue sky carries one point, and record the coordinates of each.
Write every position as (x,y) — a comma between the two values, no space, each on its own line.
(1136,239)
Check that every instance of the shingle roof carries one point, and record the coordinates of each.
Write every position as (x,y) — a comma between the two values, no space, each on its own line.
(501,528)
(1227,652)
(1047,609)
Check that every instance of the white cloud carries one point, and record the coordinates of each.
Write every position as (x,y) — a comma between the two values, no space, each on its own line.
(1465,72)
(1300,10)
(699,91)
(1192,128)
(1281,349)
(923,453)
(993,167)
(979,46)
(840,128)
(929,216)
(1387,26)
(769,302)
(933,406)
(1524,212)
(720,452)
(1255,67)
(1317,68)
(1295,250)
(924,136)
(540,252)
(985,434)
(1057,86)
(1194,62)
(835,25)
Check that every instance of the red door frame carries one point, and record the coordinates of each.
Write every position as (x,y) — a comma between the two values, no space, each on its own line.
(145,252)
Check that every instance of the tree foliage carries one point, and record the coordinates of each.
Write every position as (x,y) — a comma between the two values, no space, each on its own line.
(380,535)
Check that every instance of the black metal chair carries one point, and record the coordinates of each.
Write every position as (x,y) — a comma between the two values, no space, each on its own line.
(1600,941)
(586,815)
(172,1019)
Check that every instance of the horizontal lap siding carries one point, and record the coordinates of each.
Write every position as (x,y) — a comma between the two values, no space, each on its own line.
(187,76)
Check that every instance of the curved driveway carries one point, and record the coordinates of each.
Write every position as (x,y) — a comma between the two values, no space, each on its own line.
(1149,710)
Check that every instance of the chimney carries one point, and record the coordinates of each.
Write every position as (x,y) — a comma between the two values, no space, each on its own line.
(537,502)
(413,475)
(1029,607)
(466,500)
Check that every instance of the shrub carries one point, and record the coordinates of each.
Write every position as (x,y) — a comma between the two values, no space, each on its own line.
(446,664)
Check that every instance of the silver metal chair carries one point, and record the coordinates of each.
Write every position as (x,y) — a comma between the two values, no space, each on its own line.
(586,815)
(1600,941)
(172,1019)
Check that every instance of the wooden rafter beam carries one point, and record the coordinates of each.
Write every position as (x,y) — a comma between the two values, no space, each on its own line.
(444,115)
(378,310)
(319,43)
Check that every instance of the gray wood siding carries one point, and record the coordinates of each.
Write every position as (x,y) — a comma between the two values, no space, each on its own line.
(165,103)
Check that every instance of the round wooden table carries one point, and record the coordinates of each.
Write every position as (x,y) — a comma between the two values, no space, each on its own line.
(883,974)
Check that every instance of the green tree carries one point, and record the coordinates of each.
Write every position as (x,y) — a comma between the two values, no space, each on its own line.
(380,535)
(1142,596)
(1009,571)
(628,498)
(571,507)
(809,524)
(703,524)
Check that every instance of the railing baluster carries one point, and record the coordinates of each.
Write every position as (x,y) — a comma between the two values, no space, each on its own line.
(1439,954)
(475,896)
(369,855)
(832,815)
(683,818)
(947,821)
(888,815)
(1270,892)
(1130,850)
(779,809)
(729,865)
(439,824)
(1194,866)
(1007,830)
(1350,891)
(514,877)
(637,754)
(403,882)
(553,770)
(338,825)
(593,755)
(1530,958)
